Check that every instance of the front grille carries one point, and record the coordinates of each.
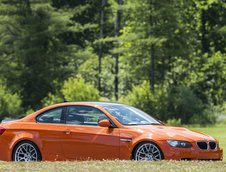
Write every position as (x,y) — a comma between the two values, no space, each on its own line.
(207,145)
(202,145)
(213,145)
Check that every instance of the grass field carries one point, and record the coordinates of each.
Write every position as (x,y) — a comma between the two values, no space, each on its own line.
(115,166)
(129,166)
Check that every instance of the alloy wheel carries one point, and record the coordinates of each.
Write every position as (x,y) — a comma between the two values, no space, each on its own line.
(148,152)
(26,152)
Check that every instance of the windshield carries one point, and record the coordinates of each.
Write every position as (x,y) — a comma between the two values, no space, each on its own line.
(128,115)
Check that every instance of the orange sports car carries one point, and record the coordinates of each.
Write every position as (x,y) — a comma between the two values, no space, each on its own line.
(97,131)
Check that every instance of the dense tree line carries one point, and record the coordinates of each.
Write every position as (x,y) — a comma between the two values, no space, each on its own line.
(166,57)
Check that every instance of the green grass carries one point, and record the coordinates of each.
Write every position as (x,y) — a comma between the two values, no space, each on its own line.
(218,131)
(115,166)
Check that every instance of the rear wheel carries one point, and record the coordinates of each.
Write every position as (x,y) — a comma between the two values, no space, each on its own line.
(26,151)
(147,151)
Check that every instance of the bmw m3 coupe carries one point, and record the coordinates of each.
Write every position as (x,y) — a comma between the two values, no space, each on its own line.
(100,131)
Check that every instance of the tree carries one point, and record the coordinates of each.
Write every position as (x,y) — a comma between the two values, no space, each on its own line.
(116,47)
(211,18)
(45,55)
(146,39)
(103,4)
(94,17)
(116,56)
(10,103)
(42,57)
(73,89)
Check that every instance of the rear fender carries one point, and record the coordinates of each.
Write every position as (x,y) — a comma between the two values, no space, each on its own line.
(22,136)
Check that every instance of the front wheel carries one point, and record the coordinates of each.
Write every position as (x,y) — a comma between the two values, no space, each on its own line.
(147,151)
(26,151)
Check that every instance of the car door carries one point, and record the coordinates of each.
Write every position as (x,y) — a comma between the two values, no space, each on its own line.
(51,128)
(85,139)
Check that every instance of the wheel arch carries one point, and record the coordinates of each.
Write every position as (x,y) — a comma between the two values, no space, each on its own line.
(145,141)
(25,140)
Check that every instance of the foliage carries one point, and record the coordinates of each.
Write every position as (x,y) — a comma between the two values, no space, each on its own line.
(206,76)
(89,71)
(185,105)
(219,112)
(10,103)
(172,103)
(174,122)
(51,99)
(141,97)
(212,79)
(174,48)
(74,89)
(36,37)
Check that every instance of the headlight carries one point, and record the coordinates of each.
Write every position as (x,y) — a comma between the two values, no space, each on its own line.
(179,144)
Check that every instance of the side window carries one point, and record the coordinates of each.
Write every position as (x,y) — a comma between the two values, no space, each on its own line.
(84,115)
(51,116)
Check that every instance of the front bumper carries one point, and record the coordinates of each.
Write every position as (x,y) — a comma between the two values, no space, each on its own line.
(194,153)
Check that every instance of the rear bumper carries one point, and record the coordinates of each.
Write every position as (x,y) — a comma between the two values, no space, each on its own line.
(5,152)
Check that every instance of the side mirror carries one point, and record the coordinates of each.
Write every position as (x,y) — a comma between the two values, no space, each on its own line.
(104,123)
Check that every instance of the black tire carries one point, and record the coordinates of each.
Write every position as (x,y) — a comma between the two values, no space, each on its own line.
(148,151)
(20,154)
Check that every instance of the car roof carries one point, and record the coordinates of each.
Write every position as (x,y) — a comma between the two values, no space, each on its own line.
(32,116)
(95,103)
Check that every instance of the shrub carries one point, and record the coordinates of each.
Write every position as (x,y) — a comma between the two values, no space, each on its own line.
(184,104)
(142,98)
(52,99)
(208,116)
(174,122)
(74,89)
(10,103)
(216,113)
(177,104)
(221,113)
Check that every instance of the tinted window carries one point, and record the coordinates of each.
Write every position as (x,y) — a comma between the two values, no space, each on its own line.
(84,115)
(51,116)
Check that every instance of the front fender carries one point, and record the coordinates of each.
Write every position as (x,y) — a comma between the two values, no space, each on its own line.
(128,142)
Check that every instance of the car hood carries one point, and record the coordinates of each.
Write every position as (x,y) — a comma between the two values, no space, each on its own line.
(172,133)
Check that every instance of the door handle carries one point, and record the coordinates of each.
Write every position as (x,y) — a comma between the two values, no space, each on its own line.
(126,139)
(67,132)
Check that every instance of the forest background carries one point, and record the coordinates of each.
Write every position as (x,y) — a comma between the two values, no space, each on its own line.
(165,57)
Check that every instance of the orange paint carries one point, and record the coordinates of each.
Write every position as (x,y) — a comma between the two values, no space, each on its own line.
(84,142)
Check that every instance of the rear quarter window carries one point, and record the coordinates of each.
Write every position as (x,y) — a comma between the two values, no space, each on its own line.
(51,116)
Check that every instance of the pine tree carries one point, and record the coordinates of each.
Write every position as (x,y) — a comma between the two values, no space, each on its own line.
(41,56)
